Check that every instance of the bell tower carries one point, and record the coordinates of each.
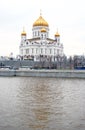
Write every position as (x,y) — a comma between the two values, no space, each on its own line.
(57,37)
(23,36)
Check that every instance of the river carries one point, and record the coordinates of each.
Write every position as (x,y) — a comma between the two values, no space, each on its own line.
(28,103)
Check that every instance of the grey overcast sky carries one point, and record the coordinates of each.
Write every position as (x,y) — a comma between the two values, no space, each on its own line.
(66,15)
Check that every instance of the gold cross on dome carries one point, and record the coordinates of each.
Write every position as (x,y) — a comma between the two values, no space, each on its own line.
(40,12)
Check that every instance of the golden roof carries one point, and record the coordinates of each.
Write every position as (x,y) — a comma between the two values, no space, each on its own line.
(57,34)
(40,22)
(43,30)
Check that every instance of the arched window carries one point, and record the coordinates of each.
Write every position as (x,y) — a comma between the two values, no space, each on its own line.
(35,33)
(42,36)
(32,50)
(38,33)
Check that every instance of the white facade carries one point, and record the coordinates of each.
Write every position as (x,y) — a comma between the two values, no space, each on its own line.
(40,46)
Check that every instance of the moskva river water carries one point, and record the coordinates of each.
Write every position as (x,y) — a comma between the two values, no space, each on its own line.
(42,103)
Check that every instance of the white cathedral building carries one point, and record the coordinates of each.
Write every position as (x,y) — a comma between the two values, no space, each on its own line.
(40,47)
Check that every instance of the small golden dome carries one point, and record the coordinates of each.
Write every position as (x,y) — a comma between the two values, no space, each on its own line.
(43,30)
(23,33)
(40,22)
(57,34)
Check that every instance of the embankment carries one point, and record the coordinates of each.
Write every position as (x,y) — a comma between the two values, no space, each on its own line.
(44,73)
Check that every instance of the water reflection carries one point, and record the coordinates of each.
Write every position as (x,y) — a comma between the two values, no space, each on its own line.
(43,103)
(41,107)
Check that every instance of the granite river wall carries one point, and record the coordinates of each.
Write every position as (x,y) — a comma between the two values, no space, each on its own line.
(44,73)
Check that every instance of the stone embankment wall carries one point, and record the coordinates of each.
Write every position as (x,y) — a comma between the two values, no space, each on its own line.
(44,73)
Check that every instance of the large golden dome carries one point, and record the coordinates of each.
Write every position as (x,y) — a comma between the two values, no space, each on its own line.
(40,22)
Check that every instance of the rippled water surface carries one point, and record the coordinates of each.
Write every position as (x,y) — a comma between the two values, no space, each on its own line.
(42,104)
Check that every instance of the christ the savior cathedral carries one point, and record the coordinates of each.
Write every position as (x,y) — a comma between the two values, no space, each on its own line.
(40,46)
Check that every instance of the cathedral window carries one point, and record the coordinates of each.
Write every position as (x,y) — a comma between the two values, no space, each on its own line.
(26,43)
(50,51)
(56,39)
(45,36)
(32,50)
(57,51)
(41,50)
(45,51)
(41,35)
(36,50)
(27,51)
(54,51)
(38,33)
(35,33)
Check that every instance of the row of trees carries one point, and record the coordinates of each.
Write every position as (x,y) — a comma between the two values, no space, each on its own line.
(64,62)
(61,62)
